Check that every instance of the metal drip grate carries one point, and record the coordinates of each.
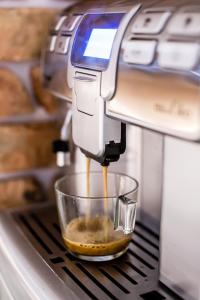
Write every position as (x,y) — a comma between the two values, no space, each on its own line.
(133,276)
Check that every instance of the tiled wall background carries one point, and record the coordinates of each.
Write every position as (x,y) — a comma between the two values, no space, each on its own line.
(30,118)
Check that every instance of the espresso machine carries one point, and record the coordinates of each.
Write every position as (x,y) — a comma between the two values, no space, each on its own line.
(129,71)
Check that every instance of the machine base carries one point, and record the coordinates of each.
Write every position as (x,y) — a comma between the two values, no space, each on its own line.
(34,259)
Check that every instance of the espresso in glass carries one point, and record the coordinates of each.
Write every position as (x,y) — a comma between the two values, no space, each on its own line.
(88,206)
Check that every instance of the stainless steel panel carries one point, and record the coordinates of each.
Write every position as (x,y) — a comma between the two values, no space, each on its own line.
(146,98)
(23,269)
(151,182)
(163,96)
(180,223)
(4,291)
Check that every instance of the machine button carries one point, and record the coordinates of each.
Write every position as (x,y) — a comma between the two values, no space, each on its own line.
(150,23)
(52,43)
(62,44)
(70,23)
(60,22)
(185,24)
(139,52)
(178,55)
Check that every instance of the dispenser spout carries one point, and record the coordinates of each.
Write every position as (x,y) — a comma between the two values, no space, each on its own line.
(112,151)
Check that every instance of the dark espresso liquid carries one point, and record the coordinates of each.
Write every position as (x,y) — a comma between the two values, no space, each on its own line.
(87,237)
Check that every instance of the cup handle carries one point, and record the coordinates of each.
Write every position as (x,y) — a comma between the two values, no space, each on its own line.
(125,215)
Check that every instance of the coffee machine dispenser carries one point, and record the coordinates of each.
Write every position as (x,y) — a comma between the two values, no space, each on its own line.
(123,63)
(141,66)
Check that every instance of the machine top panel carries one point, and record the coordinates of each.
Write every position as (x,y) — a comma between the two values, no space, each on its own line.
(94,40)
(147,57)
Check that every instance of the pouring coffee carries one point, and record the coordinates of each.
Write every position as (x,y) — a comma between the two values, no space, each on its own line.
(98,225)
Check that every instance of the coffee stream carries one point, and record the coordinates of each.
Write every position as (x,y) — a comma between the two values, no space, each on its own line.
(105,192)
(88,213)
(88,160)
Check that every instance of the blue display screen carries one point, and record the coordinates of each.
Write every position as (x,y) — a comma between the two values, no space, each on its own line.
(94,40)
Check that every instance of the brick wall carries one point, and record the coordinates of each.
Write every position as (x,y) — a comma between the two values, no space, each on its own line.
(29,116)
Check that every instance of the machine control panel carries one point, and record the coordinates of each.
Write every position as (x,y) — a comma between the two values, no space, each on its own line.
(57,55)
(62,44)
(156,38)
(135,56)
(60,22)
(158,78)
(70,23)
(185,23)
(150,23)
(60,39)
(178,55)
(139,51)
(94,40)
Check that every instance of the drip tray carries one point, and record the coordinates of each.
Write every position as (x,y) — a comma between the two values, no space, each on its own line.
(133,276)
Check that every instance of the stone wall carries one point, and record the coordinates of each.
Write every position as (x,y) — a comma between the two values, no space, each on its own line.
(30,118)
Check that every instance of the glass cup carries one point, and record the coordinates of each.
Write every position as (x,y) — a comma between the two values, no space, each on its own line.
(95,227)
